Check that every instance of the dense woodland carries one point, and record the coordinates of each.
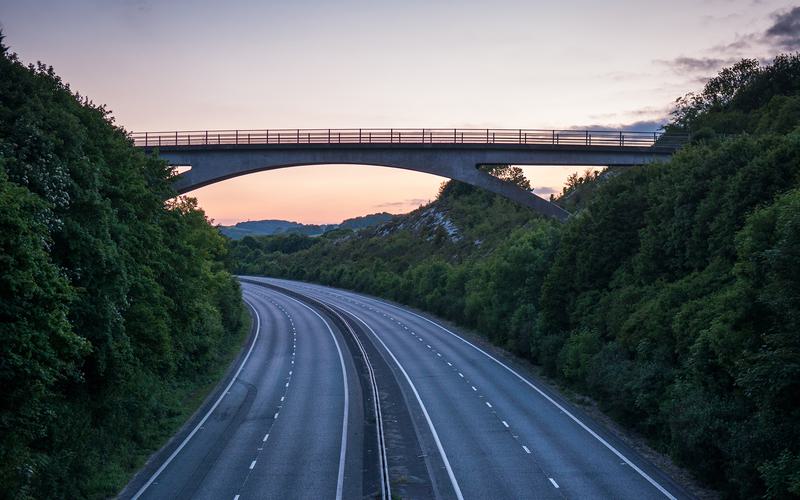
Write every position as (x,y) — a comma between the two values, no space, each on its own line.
(116,312)
(672,296)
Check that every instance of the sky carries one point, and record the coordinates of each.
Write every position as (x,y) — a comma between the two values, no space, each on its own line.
(195,65)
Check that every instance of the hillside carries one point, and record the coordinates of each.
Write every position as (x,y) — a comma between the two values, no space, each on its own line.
(671,296)
(272,227)
(115,309)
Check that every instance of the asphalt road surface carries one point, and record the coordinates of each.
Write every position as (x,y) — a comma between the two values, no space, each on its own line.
(298,421)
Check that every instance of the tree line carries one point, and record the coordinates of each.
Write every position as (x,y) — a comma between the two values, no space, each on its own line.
(672,296)
(116,310)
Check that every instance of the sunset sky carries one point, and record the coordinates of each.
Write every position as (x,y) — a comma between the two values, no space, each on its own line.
(258,64)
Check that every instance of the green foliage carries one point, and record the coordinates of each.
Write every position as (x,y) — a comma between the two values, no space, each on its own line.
(672,295)
(114,304)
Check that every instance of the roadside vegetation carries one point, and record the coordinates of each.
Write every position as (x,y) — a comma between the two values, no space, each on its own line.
(672,296)
(116,311)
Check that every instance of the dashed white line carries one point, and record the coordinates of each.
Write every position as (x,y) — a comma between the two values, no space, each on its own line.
(505,423)
(552,401)
(460,374)
(276,416)
(449,364)
(343,449)
(488,404)
(252,464)
(474,389)
(211,410)
(553,481)
(265,438)
(439,354)
(526,449)
(236,497)
(453,481)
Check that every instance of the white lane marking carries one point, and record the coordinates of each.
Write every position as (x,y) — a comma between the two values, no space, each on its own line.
(236,497)
(290,372)
(449,364)
(460,374)
(474,389)
(489,404)
(505,423)
(439,354)
(544,395)
(553,481)
(526,449)
(265,438)
(343,450)
(252,464)
(435,435)
(429,346)
(211,410)
(276,416)
(287,384)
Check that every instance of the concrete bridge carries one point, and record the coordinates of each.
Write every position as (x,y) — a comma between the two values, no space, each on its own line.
(216,155)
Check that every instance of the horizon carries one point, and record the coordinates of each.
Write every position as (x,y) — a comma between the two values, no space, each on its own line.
(381,65)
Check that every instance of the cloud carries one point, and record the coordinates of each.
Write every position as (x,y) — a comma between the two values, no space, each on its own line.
(411,202)
(742,42)
(785,31)
(782,35)
(545,190)
(637,126)
(704,65)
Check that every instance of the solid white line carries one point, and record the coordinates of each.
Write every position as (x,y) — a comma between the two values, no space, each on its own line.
(526,449)
(252,464)
(343,450)
(211,410)
(553,481)
(543,394)
(435,435)
(265,438)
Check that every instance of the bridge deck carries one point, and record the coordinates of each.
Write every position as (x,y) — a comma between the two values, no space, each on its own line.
(399,136)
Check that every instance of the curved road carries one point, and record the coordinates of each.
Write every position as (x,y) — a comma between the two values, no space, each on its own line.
(503,435)
(293,421)
(277,431)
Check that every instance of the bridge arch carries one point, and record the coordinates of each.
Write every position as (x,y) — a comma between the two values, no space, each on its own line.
(451,155)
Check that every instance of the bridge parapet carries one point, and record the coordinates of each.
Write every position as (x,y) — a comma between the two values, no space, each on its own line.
(415,136)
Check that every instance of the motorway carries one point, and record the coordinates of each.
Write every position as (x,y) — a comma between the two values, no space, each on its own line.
(298,417)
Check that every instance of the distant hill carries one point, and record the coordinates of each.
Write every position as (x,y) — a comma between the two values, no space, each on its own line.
(272,226)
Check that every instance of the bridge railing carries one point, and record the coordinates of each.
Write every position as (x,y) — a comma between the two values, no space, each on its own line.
(615,138)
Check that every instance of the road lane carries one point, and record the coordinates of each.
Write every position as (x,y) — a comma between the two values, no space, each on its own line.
(505,435)
(277,431)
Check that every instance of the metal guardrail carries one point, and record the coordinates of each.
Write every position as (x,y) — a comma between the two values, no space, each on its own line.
(611,138)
